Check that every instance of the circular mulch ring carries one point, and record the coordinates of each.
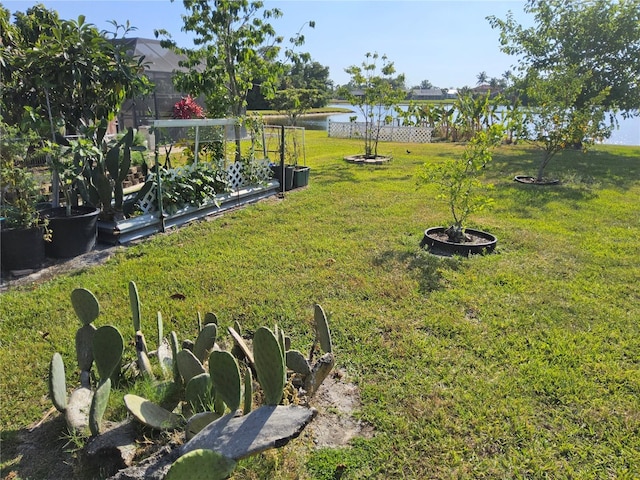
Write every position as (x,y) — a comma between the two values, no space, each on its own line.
(529,180)
(439,244)
(362,159)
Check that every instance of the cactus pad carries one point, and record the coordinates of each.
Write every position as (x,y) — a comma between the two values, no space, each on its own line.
(108,347)
(297,362)
(201,465)
(210,317)
(174,355)
(84,347)
(150,414)
(205,341)
(99,405)
(197,422)
(322,329)
(188,365)
(85,305)
(134,300)
(225,376)
(198,393)
(240,343)
(57,384)
(247,396)
(269,363)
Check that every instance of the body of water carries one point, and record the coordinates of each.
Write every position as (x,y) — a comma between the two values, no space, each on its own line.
(628,132)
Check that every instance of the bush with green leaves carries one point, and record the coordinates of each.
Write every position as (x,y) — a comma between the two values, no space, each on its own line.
(459,179)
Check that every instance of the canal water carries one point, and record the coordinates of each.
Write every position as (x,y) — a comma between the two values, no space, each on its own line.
(628,132)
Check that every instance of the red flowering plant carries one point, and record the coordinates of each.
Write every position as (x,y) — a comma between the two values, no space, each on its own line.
(187,108)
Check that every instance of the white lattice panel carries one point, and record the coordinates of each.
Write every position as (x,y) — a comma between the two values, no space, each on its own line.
(147,204)
(264,171)
(234,173)
(388,133)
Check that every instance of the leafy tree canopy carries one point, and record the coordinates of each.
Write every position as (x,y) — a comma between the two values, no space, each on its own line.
(598,40)
(64,71)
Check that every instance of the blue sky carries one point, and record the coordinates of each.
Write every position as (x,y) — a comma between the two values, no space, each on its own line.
(445,42)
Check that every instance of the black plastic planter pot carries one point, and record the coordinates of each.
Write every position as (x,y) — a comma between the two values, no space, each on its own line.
(22,248)
(436,239)
(71,235)
(300,177)
(288,176)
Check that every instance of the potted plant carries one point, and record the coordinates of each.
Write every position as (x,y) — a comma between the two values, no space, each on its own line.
(23,232)
(74,225)
(465,194)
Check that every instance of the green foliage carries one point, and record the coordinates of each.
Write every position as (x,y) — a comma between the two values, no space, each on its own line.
(194,184)
(373,90)
(20,193)
(65,72)
(599,42)
(459,179)
(134,301)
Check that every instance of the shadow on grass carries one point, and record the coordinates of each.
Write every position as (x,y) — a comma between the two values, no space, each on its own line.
(426,267)
(38,453)
(609,166)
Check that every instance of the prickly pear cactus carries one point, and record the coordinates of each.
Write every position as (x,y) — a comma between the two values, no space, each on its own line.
(84,347)
(201,465)
(108,347)
(150,414)
(188,365)
(177,378)
(247,395)
(297,362)
(85,305)
(57,383)
(99,406)
(210,317)
(198,393)
(205,341)
(134,300)
(269,362)
(322,329)
(197,422)
(225,376)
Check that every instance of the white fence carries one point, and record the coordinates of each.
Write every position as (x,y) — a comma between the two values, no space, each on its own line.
(388,133)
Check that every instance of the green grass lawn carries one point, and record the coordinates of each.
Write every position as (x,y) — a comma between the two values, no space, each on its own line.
(520,364)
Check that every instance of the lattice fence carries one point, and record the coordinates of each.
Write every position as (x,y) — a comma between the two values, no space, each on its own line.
(388,133)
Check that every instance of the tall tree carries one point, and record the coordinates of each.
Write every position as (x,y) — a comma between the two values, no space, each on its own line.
(236,45)
(65,70)
(597,40)
(374,90)
(482,77)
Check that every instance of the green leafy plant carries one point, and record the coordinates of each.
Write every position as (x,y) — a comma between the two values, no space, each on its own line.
(459,179)
(20,191)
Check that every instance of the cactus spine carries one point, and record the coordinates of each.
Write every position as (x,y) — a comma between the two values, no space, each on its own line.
(269,362)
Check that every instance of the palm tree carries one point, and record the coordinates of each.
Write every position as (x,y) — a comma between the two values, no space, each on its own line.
(482,78)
